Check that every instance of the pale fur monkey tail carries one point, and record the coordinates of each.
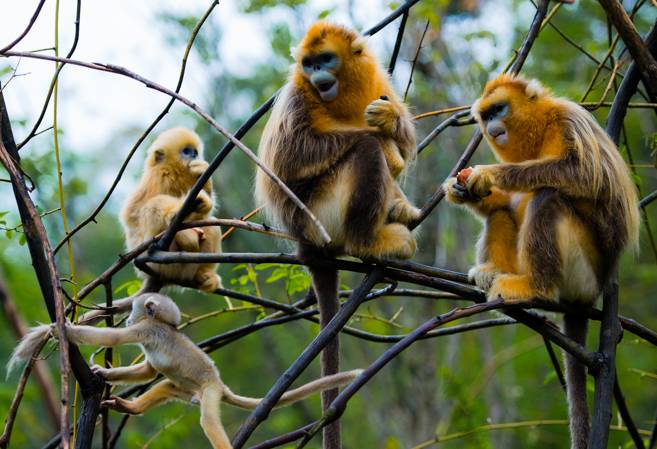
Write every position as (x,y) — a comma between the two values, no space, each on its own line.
(576,327)
(292,396)
(28,345)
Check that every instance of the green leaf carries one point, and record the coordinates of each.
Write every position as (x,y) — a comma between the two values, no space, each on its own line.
(130,287)
(22,240)
(325,13)
(9,233)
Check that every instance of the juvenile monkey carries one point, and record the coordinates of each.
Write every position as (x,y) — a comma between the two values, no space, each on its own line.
(191,375)
(558,210)
(173,164)
(338,136)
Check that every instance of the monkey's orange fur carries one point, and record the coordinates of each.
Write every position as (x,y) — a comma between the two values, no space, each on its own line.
(561,207)
(552,144)
(328,149)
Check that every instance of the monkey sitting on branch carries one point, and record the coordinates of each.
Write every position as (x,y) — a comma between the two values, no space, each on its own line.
(173,164)
(191,375)
(338,136)
(558,211)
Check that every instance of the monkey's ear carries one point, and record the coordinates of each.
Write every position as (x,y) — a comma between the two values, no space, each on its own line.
(159,156)
(151,306)
(358,45)
(534,89)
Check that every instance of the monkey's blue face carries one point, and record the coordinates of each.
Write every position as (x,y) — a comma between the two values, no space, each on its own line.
(189,153)
(321,70)
(493,118)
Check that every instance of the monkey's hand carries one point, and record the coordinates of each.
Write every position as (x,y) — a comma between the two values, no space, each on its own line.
(197,167)
(481,180)
(99,371)
(384,115)
(457,193)
(203,204)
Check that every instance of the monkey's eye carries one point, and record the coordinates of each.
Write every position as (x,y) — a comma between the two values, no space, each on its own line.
(189,152)
(325,58)
(500,109)
(306,62)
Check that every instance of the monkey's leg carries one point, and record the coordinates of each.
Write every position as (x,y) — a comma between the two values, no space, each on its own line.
(367,233)
(157,395)
(539,258)
(496,249)
(211,419)
(206,275)
(136,373)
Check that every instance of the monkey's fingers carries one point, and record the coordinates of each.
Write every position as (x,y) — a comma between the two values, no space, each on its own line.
(99,371)
(463,193)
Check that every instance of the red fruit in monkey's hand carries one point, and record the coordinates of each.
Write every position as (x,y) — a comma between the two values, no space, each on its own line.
(463,175)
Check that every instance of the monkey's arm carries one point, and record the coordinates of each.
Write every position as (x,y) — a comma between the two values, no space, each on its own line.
(105,336)
(135,373)
(394,120)
(300,142)
(564,174)
(94,316)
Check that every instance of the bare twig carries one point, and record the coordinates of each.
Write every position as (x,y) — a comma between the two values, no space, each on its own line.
(415,59)
(27,29)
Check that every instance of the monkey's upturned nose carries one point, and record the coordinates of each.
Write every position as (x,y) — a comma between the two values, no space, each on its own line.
(496,130)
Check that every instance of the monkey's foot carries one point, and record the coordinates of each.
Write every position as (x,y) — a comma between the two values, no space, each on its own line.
(391,240)
(208,281)
(383,114)
(120,405)
(517,287)
(401,211)
(188,240)
(481,180)
(483,275)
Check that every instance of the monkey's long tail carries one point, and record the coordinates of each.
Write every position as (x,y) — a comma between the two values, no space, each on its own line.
(576,327)
(292,396)
(28,346)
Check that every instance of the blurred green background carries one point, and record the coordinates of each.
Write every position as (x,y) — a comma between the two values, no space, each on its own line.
(439,387)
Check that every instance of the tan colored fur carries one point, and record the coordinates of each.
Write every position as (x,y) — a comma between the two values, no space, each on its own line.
(164,185)
(191,375)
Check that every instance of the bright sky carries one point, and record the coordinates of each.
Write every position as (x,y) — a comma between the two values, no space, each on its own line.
(95,105)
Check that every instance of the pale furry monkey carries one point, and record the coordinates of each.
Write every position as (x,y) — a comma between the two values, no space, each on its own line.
(191,375)
(173,164)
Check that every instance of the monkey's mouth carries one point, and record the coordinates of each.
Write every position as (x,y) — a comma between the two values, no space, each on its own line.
(499,135)
(327,90)
(501,139)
